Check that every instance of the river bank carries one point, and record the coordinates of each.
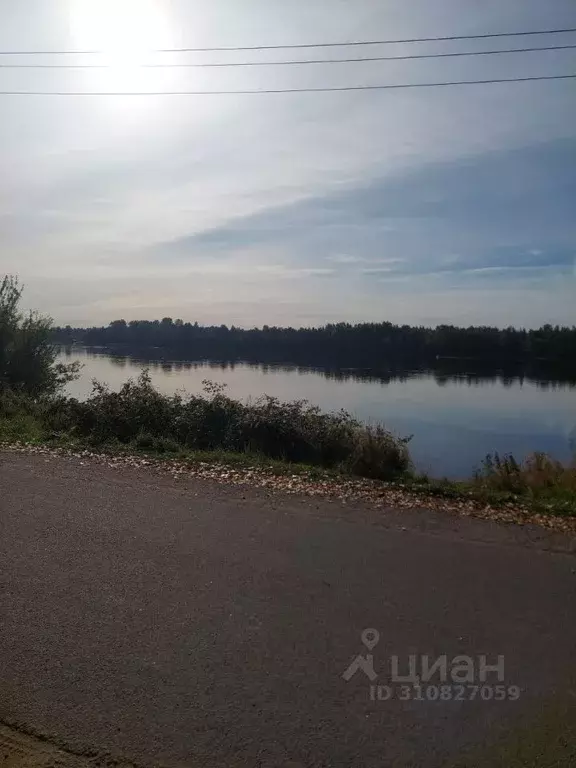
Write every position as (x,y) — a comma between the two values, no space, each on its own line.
(266,439)
(455,420)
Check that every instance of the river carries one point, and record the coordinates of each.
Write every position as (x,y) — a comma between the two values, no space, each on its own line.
(455,421)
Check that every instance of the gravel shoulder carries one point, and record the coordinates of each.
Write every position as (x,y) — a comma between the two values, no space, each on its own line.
(278,479)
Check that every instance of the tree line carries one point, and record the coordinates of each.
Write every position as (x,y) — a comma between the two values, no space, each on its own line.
(374,345)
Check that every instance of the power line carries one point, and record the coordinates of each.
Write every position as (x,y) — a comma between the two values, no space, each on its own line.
(293,61)
(391,86)
(305,45)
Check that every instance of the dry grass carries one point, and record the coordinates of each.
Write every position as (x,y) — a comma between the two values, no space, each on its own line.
(543,482)
(536,474)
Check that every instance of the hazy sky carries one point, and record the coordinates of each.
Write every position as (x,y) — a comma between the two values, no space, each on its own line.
(417,206)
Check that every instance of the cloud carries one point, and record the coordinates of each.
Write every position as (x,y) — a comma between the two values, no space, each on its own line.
(490,210)
(235,208)
(345,258)
(377,271)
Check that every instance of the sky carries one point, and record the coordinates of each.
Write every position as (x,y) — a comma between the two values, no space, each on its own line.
(419,206)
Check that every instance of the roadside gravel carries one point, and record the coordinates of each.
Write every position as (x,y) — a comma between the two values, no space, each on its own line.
(345,489)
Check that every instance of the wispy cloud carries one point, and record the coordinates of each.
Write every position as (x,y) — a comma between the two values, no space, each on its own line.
(492,208)
(410,205)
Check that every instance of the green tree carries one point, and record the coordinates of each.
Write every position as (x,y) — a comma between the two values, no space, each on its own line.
(27,357)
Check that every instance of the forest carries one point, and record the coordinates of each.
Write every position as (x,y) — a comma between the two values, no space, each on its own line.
(371,345)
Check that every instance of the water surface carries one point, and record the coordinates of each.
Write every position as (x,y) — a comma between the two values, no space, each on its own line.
(454,420)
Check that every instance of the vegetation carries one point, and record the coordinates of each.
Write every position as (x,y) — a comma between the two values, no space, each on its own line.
(374,345)
(27,355)
(140,416)
(539,483)
(538,477)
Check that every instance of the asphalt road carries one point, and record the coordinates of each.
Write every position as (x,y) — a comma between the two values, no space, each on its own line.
(192,623)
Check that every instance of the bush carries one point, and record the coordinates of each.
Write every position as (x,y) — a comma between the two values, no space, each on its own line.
(136,409)
(538,475)
(378,454)
(295,431)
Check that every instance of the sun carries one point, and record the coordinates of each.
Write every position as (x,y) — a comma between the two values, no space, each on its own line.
(125,32)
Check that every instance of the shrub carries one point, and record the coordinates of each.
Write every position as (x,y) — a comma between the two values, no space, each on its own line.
(294,431)
(137,408)
(537,475)
(378,454)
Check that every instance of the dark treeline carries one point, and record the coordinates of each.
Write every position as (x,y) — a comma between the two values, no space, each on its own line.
(369,345)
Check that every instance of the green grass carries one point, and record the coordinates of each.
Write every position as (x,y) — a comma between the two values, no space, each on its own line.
(21,427)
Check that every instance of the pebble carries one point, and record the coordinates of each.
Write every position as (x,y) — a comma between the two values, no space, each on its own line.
(344,489)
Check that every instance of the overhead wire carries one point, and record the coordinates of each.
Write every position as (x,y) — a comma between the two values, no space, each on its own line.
(388,86)
(168,65)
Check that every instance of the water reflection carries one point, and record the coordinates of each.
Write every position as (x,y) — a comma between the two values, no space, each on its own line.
(444,372)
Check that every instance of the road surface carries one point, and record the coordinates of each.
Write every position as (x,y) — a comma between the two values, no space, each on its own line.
(185,622)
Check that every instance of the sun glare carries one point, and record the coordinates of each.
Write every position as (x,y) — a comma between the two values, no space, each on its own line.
(126,32)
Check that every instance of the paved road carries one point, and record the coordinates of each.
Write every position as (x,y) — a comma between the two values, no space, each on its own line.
(199,624)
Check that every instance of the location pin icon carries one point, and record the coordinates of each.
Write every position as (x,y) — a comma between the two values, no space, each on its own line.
(370,638)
